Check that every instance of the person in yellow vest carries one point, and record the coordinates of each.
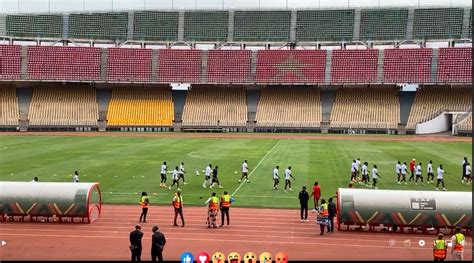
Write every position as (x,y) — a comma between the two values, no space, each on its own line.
(212,209)
(225,206)
(457,247)
(440,248)
(322,218)
(144,203)
(178,207)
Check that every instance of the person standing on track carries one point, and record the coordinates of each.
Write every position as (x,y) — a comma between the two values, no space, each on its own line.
(398,171)
(178,208)
(429,170)
(332,211)
(215,178)
(353,171)
(404,173)
(316,194)
(245,171)
(163,175)
(75,178)
(276,177)
(144,203)
(412,170)
(207,174)
(158,242)
(440,177)
(418,173)
(322,218)
(225,207)
(182,172)
(175,176)
(457,247)
(304,199)
(440,248)
(136,243)
(287,179)
(212,210)
(375,176)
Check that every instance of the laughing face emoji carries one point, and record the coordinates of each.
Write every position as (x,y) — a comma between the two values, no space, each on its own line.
(218,257)
(233,257)
(265,257)
(250,257)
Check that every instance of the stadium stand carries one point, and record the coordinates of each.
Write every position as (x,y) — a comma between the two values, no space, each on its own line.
(466,124)
(157,26)
(430,102)
(292,107)
(129,64)
(10,62)
(63,63)
(354,65)
(9,112)
(111,26)
(438,23)
(325,25)
(178,65)
(262,25)
(35,25)
(206,25)
(407,65)
(365,108)
(140,106)
(63,106)
(383,24)
(455,65)
(291,66)
(228,66)
(215,107)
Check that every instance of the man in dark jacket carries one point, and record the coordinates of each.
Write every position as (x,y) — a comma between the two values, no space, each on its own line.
(158,242)
(304,198)
(136,243)
(332,213)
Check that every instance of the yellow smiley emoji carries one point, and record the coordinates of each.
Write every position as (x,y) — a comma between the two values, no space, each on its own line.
(250,257)
(218,257)
(265,257)
(233,257)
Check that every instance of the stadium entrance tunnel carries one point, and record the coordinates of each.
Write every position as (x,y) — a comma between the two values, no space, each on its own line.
(403,210)
(50,202)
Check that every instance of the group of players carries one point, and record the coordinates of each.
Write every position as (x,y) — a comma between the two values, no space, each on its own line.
(360,173)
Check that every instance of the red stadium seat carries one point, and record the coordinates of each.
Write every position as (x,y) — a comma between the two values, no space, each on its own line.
(407,65)
(177,65)
(127,64)
(10,62)
(354,66)
(455,65)
(226,66)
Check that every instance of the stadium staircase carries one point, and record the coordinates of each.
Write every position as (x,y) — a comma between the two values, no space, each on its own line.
(179,98)
(24,99)
(103,99)
(253,97)
(406,99)
(327,101)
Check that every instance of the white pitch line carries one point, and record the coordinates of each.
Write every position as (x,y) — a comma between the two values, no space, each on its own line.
(255,168)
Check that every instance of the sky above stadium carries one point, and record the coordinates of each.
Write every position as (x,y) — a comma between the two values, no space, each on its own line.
(29,6)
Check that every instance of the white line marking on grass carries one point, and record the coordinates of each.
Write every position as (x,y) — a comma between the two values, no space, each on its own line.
(168,193)
(255,168)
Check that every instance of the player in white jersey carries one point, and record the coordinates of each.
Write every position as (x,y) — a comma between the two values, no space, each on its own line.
(429,170)
(75,178)
(398,171)
(207,174)
(418,174)
(182,172)
(468,172)
(276,178)
(441,172)
(353,171)
(375,176)
(365,174)
(245,172)
(163,175)
(288,175)
(404,171)
(175,176)
(358,170)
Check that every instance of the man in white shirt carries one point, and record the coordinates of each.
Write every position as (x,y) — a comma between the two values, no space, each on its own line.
(365,174)
(353,171)
(429,170)
(375,176)
(398,171)
(35,180)
(358,169)
(467,174)
(207,174)
(75,178)
(418,174)
(181,172)
(175,176)
(245,171)
(404,173)
(288,175)
(163,175)
(276,178)
(440,177)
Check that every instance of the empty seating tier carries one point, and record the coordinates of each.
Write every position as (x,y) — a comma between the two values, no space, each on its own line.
(155,26)
(232,66)
(466,124)
(129,64)
(63,106)
(324,25)
(362,108)
(407,65)
(262,25)
(438,23)
(140,106)
(290,107)
(354,66)
(98,26)
(455,65)
(383,24)
(35,25)
(291,66)
(10,62)
(63,63)
(9,114)
(215,107)
(175,65)
(432,101)
(206,25)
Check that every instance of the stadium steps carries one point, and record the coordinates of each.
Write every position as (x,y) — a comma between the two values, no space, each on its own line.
(3,25)
(24,98)
(327,101)
(179,98)
(467,23)
(103,100)
(406,99)
(253,97)
(434,65)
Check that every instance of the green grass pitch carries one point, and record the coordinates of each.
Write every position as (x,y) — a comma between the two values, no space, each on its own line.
(128,165)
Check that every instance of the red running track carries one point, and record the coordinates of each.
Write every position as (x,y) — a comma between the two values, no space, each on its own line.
(252,229)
